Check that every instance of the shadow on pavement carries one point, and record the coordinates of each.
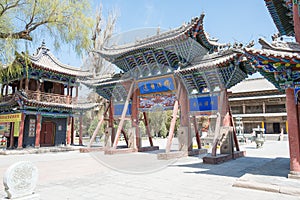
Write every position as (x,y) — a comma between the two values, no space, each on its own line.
(239,167)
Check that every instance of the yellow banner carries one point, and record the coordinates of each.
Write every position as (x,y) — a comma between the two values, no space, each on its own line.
(11,117)
(16,129)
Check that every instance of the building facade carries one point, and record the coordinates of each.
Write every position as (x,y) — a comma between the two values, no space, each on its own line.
(258,103)
(39,100)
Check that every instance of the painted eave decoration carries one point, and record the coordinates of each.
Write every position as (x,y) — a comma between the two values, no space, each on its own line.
(281,12)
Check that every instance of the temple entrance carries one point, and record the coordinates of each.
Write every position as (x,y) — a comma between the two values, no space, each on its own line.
(276,127)
(47,134)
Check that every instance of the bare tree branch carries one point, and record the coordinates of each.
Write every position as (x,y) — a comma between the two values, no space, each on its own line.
(8,6)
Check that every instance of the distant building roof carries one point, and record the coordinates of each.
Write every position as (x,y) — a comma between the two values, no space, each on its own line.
(46,60)
(253,85)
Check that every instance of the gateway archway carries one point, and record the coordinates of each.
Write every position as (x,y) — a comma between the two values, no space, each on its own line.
(183,62)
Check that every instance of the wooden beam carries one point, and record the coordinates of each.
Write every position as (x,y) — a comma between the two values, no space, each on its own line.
(197,132)
(98,127)
(11,137)
(123,116)
(111,120)
(125,137)
(296,20)
(38,130)
(135,118)
(80,128)
(221,110)
(95,132)
(173,121)
(69,130)
(21,132)
(147,128)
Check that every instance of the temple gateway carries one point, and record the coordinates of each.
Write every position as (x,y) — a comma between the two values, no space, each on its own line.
(183,70)
(187,71)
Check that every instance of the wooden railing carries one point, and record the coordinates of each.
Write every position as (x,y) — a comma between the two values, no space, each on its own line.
(6,98)
(50,97)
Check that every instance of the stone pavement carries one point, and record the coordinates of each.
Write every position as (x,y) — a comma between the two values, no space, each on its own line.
(74,175)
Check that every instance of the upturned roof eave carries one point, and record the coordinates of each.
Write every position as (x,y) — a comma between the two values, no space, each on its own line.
(161,40)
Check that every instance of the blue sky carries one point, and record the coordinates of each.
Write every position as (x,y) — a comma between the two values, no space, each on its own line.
(230,21)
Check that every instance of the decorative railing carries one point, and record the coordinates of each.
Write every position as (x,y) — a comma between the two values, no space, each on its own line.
(50,97)
(6,98)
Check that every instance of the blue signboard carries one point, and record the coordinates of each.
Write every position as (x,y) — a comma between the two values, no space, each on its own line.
(118,109)
(206,103)
(165,84)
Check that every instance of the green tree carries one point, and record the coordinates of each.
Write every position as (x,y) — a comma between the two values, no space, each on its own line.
(169,114)
(163,132)
(93,126)
(66,21)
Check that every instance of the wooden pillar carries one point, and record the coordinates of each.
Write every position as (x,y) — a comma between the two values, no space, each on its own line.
(72,131)
(125,137)
(38,90)
(293,130)
(68,130)
(6,89)
(185,117)
(26,84)
(296,20)
(68,94)
(173,120)
(11,136)
(77,91)
(20,139)
(135,117)
(68,90)
(71,91)
(21,84)
(111,120)
(80,128)
(147,129)
(2,89)
(197,132)
(38,130)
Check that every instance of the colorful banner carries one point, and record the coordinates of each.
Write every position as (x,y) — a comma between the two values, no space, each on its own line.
(165,101)
(157,85)
(206,103)
(118,109)
(11,117)
(16,129)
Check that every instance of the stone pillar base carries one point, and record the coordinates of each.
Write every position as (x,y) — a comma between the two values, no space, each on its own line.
(294,175)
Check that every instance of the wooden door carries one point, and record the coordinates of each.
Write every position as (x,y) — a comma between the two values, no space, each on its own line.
(47,134)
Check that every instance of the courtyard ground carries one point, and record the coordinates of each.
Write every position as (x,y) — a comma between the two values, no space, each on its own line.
(74,175)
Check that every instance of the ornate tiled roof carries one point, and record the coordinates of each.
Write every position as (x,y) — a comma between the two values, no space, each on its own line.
(182,44)
(218,70)
(277,52)
(282,14)
(47,61)
(278,62)
(278,45)
(106,79)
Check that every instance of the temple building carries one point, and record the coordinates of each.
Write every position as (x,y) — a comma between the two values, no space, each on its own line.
(39,100)
(183,70)
(257,102)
